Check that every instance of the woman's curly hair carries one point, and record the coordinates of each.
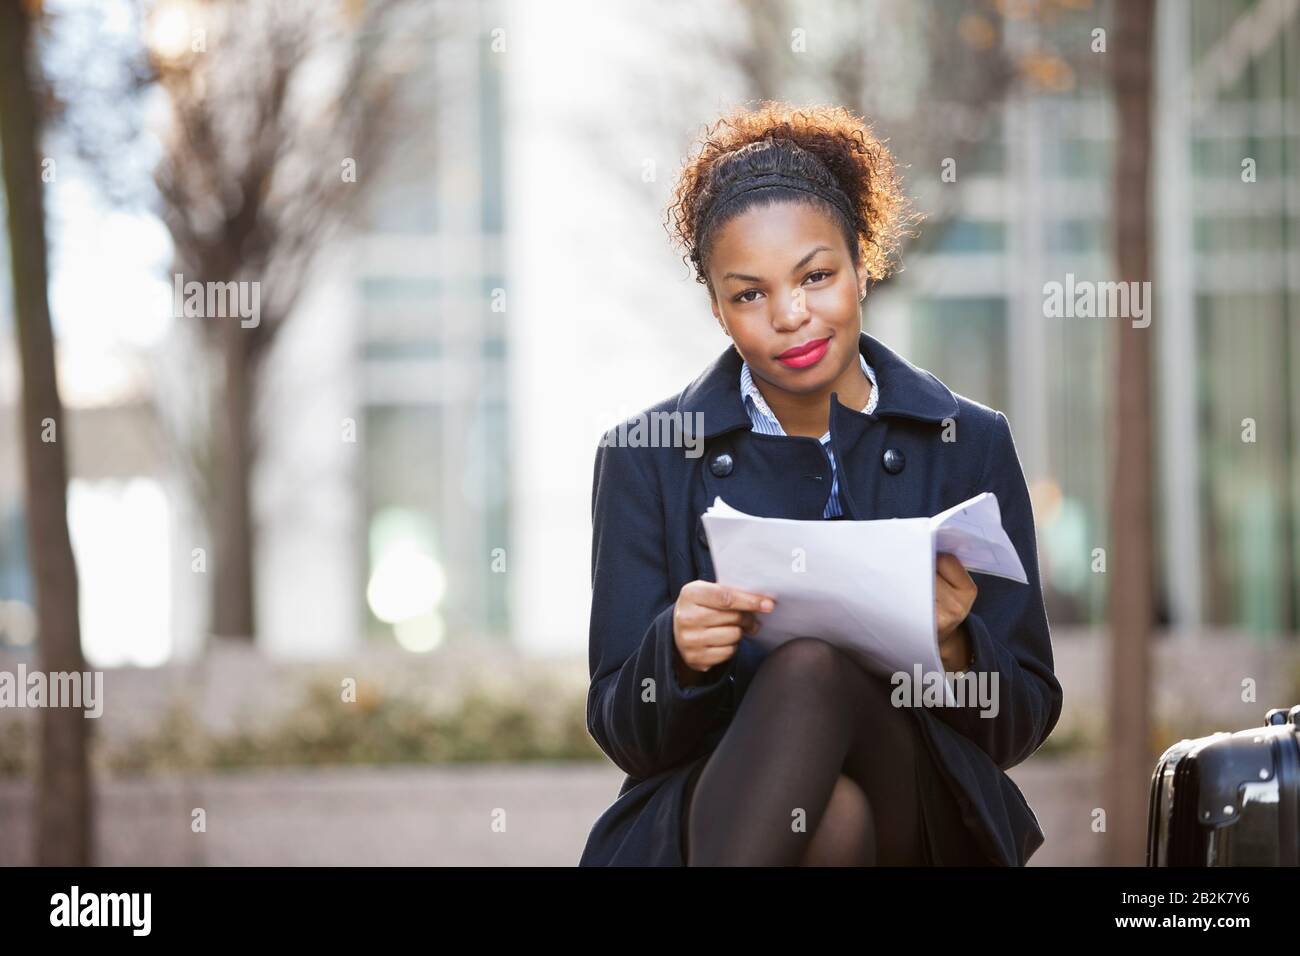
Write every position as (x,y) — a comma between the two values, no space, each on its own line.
(827,145)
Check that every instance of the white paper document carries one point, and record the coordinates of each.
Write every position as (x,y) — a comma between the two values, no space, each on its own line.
(864,586)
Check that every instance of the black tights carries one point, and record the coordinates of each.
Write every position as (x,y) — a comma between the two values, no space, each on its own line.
(817,768)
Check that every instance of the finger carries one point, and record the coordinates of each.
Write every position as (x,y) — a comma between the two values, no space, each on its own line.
(948,567)
(711,637)
(712,617)
(695,617)
(944,616)
(948,604)
(710,657)
(733,599)
(945,593)
(747,621)
(951,570)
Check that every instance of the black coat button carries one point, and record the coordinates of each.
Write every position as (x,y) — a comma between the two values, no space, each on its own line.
(722,465)
(893,460)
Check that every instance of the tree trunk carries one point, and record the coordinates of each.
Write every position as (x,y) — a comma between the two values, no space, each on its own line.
(63,805)
(1129,570)
(232,607)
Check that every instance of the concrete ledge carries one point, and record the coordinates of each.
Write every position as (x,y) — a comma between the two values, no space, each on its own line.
(428,816)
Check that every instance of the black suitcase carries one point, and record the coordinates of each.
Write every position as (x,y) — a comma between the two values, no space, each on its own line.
(1229,799)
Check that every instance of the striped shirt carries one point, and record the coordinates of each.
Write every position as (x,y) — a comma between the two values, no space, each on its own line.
(765,423)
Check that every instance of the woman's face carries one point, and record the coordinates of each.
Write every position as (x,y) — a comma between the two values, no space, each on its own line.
(782,279)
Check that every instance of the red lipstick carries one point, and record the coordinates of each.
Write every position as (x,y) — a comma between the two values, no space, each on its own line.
(802,356)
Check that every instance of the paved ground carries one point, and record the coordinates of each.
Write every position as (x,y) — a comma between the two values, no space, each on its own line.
(505,814)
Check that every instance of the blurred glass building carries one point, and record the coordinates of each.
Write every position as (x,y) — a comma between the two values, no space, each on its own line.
(1226,191)
(431,278)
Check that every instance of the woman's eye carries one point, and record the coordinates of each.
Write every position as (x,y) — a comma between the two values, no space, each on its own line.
(811,275)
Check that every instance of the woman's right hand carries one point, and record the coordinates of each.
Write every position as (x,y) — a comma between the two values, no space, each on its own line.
(709,620)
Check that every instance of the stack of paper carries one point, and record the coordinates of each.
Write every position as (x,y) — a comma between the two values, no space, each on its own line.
(864,586)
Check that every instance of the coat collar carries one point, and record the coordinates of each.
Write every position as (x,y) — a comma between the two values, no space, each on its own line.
(905,390)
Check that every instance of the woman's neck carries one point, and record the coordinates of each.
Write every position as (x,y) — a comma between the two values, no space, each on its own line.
(807,414)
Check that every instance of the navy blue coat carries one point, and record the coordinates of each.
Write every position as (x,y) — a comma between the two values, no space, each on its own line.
(648,541)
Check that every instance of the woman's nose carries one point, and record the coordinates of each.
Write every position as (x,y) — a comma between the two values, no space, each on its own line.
(791,313)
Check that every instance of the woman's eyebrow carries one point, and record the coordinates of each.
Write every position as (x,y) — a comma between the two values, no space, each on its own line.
(797,266)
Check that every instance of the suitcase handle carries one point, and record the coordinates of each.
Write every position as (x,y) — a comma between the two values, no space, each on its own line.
(1277,716)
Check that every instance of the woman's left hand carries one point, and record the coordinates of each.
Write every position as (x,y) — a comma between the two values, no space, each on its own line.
(954,594)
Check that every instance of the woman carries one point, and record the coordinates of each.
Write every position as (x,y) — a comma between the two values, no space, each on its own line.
(798,756)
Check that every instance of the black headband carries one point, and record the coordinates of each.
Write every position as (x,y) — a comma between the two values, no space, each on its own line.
(831,194)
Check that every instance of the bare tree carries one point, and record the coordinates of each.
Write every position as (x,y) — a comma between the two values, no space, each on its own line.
(967,75)
(63,804)
(1130,604)
(281,113)
(944,105)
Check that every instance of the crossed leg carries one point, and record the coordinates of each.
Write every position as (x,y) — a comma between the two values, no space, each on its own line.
(816,768)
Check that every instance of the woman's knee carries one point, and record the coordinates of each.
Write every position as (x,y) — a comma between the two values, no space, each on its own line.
(826,670)
(807,660)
